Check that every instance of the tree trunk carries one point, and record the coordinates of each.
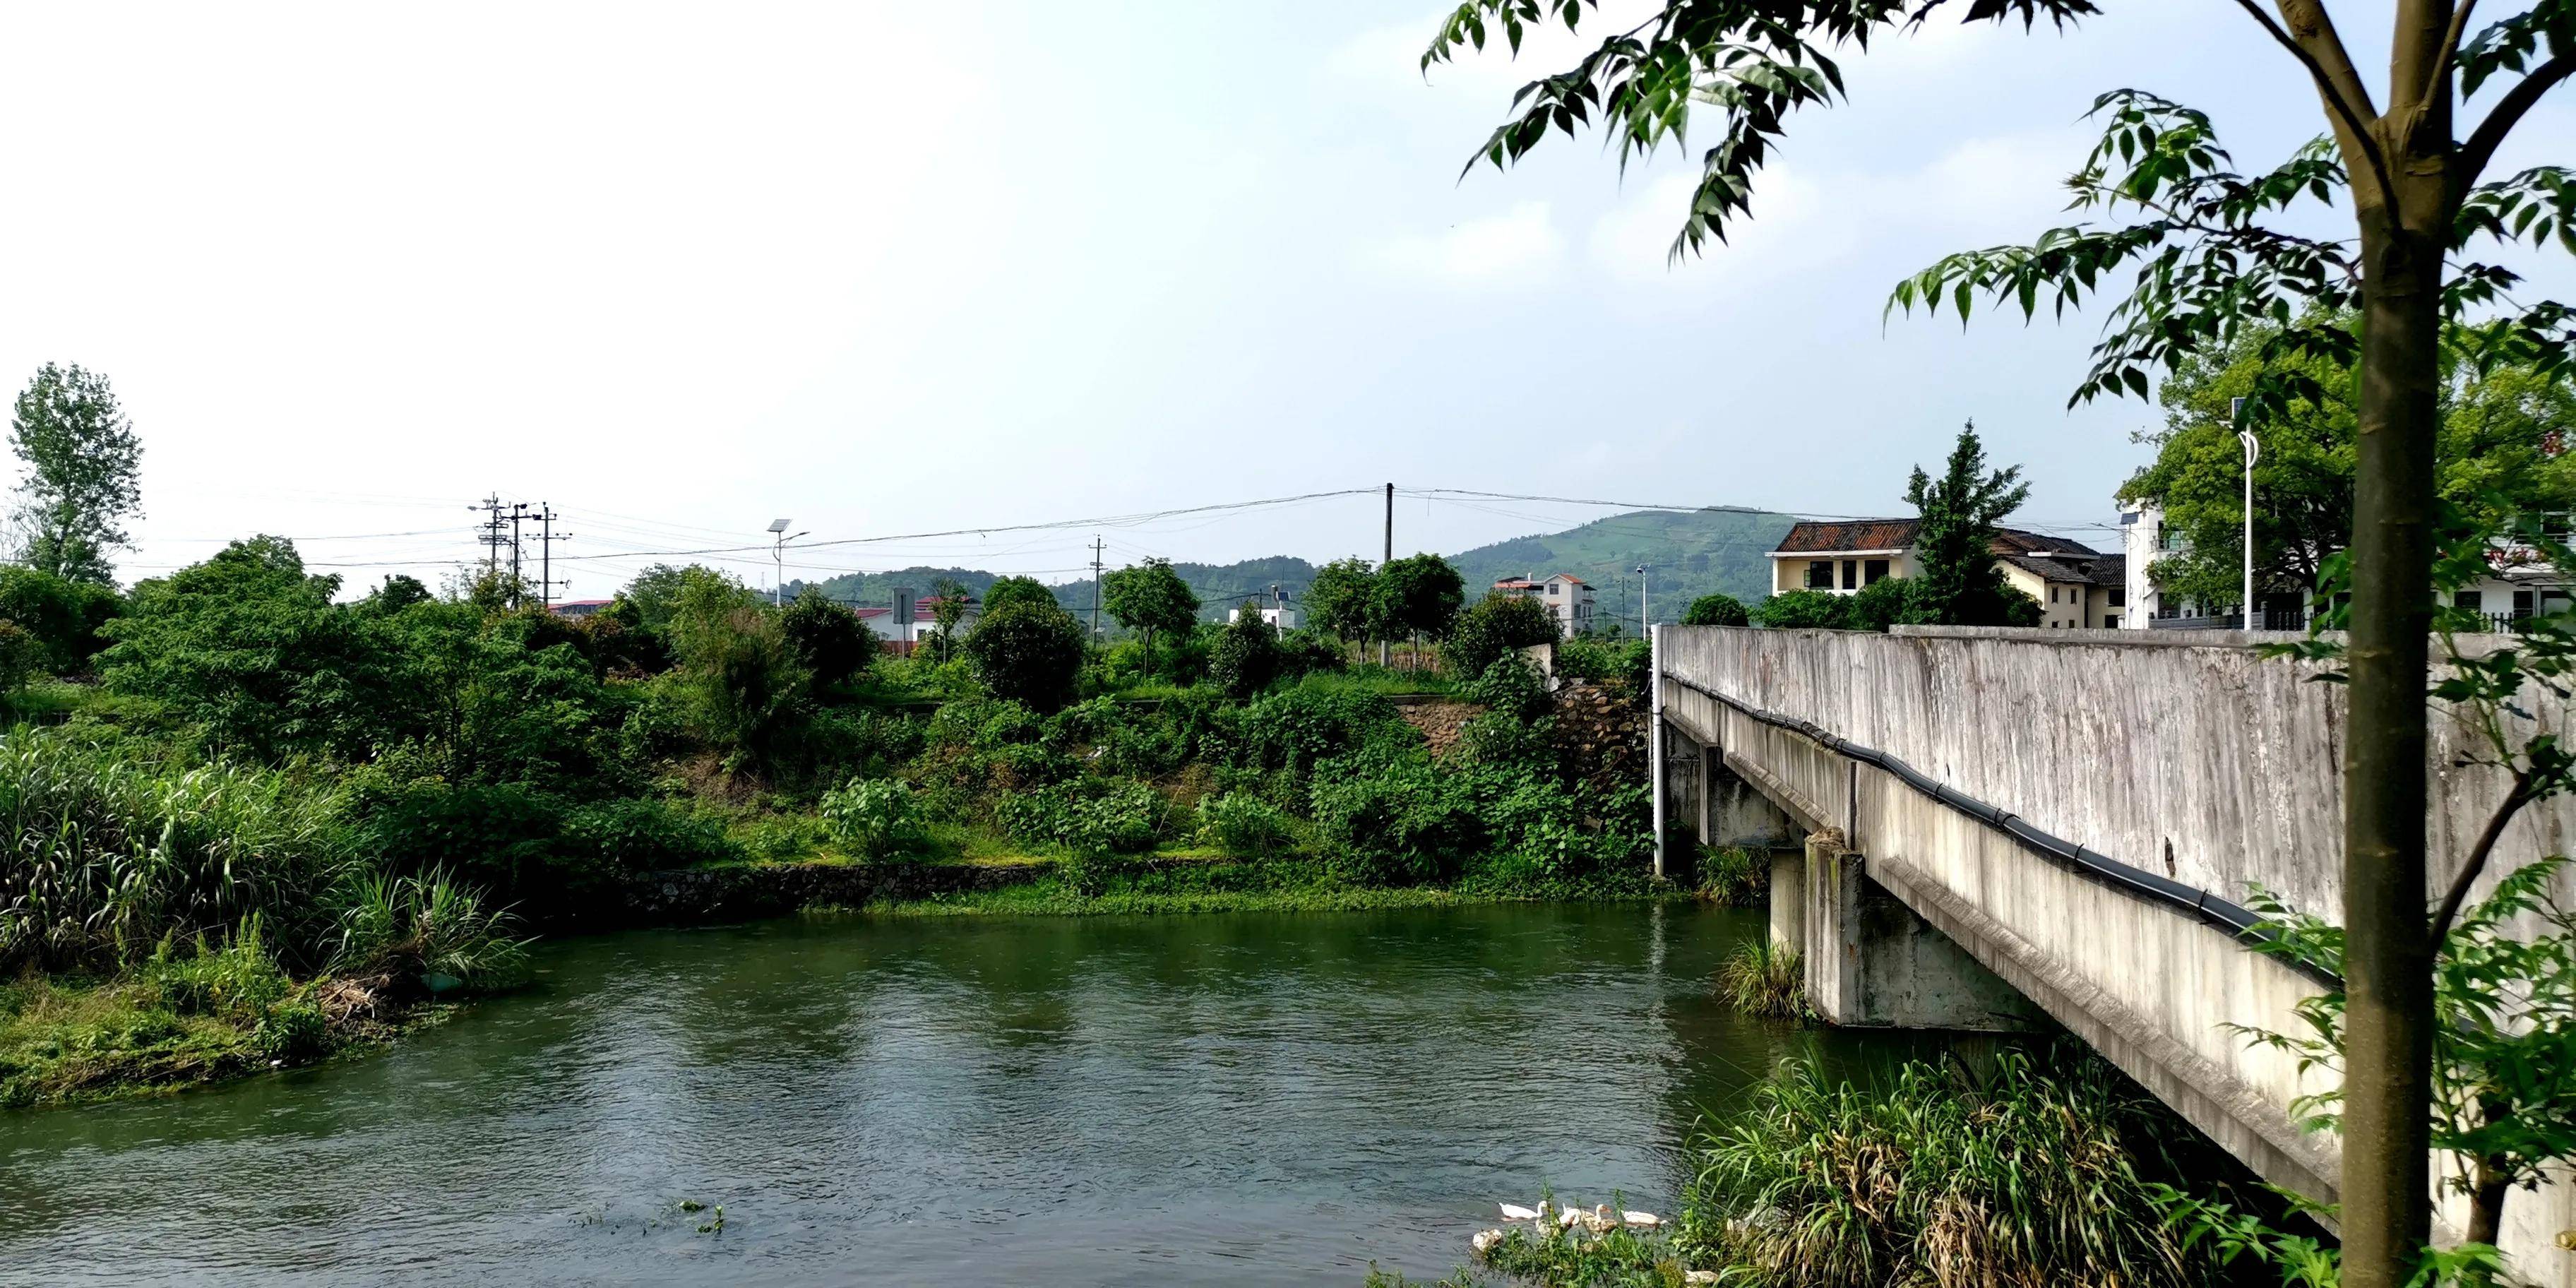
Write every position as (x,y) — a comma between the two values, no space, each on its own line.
(2388,962)
(2486,1203)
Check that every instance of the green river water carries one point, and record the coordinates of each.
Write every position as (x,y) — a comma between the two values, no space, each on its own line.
(1236,1099)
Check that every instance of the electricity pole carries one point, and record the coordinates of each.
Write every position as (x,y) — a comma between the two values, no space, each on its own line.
(546,540)
(1390,556)
(518,588)
(489,532)
(1095,588)
(1645,620)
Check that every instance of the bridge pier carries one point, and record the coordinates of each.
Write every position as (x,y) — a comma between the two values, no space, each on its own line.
(1872,962)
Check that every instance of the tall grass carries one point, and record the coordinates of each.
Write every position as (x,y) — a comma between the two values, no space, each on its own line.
(1733,876)
(1759,978)
(2024,1177)
(430,926)
(105,853)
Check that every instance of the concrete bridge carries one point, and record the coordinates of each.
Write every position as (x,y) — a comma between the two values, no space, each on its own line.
(1972,828)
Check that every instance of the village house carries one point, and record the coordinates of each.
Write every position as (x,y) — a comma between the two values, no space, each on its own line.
(2076,586)
(909,621)
(1568,599)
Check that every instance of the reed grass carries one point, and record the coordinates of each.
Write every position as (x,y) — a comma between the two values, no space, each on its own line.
(1759,978)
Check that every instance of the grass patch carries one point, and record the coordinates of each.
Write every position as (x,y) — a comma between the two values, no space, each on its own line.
(1761,979)
(1734,877)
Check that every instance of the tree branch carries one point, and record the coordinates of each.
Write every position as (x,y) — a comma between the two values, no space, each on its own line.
(2508,113)
(2512,804)
(2450,52)
(2348,109)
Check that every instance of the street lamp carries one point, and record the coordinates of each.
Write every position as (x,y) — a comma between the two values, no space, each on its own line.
(2253,449)
(1645,620)
(778,554)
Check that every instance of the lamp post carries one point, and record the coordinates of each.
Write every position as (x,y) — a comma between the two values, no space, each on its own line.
(778,554)
(1645,620)
(2253,450)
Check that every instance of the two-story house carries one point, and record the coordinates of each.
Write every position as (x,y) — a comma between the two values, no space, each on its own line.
(2076,585)
(1568,599)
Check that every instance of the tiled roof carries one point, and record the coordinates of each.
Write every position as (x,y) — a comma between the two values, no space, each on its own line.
(1524,583)
(2110,570)
(2047,568)
(1808,537)
(1855,534)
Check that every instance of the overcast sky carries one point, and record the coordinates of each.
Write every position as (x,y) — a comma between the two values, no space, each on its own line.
(884,270)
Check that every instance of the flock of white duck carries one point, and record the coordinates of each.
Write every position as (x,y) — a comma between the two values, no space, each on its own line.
(1552,1220)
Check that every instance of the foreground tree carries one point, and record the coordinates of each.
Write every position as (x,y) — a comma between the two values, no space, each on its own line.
(83,469)
(1028,652)
(1343,600)
(1715,610)
(2208,262)
(1419,595)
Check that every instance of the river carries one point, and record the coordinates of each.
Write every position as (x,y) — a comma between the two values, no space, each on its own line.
(1240,1099)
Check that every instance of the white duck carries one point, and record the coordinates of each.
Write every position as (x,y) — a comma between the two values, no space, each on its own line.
(1515,1212)
(1485,1240)
(1647,1220)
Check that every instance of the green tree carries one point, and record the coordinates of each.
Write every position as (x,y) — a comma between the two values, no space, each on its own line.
(396,593)
(1247,655)
(1150,599)
(84,466)
(949,601)
(1962,513)
(2502,438)
(64,616)
(1419,595)
(1492,627)
(830,641)
(251,649)
(1716,610)
(2206,256)
(742,679)
(1343,600)
(1028,652)
(1011,590)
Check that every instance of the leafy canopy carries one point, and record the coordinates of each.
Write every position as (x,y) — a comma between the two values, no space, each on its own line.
(84,467)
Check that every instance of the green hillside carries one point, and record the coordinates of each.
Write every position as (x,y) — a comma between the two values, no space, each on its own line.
(1692,552)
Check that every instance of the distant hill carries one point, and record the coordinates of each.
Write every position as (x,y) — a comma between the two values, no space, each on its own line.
(1693,552)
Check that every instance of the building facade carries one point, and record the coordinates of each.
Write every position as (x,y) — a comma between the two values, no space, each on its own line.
(2075,585)
(1568,598)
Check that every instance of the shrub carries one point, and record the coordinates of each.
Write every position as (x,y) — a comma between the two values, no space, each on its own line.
(1509,687)
(1888,602)
(1310,652)
(1405,824)
(1096,817)
(1244,825)
(64,616)
(1803,610)
(22,657)
(1716,610)
(294,1032)
(832,643)
(1028,653)
(1247,656)
(238,981)
(745,686)
(641,834)
(1296,728)
(875,819)
(1493,626)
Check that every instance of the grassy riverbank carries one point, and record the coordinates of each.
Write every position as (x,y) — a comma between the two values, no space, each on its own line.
(2044,1166)
(1178,885)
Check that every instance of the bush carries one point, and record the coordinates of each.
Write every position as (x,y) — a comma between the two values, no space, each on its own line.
(1311,652)
(1803,610)
(641,834)
(1096,817)
(1509,687)
(1716,610)
(1493,626)
(1887,602)
(832,643)
(1405,825)
(22,657)
(1759,978)
(1028,653)
(239,981)
(1296,728)
(63,615)
(875,819)
(1247,656)
(430,926)
(1733,877)
(1244,825)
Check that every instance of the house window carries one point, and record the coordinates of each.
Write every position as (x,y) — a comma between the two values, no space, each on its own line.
(2052,594)
(2552,602)
(1820,574)
(2472,600)
(2110,621)
(2522,603)
(1551,588)
(2119,597)
(1851,574)
(1873,572)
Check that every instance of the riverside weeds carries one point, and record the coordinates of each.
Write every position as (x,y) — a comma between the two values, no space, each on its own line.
(1759,978)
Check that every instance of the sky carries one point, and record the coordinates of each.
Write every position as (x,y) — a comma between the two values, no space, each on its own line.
(956,269)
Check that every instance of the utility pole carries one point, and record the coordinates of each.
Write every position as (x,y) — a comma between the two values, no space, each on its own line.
(1096,545)
(488,531)
(518,588)
(778,553)
(1390,556)
(546,540)
(1645,620)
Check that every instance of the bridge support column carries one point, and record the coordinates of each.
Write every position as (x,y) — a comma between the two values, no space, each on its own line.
(1871,962)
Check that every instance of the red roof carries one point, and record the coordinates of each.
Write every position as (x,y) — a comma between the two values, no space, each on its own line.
(1854,535)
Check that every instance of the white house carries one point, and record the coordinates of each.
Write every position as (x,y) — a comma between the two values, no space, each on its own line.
(909,621)
(2075,585)
(1568,599)
(1276,612)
